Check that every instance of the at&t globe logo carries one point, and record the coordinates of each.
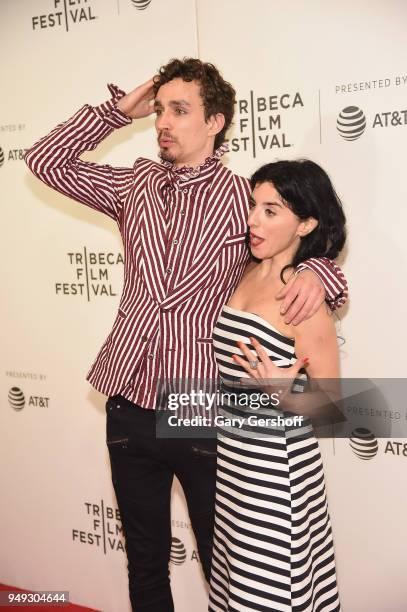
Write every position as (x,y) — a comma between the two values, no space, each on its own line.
(351,123)
(178,553)
(363,443)
(141,4)
(16,398)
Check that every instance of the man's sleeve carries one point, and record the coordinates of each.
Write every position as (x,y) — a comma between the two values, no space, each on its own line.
(55,158)
(332,278)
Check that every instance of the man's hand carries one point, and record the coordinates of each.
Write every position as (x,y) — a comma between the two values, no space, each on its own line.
(137,103)
(302,296)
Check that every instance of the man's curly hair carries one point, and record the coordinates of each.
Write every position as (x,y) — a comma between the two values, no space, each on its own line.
(218,95)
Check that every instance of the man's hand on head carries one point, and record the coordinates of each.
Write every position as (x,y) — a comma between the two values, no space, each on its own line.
(137,103)
(302,296)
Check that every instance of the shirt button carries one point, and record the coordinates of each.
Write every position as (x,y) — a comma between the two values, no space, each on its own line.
(182,213)
(145,338)
(185,190)
(169,270)
(151,356)
(175,241)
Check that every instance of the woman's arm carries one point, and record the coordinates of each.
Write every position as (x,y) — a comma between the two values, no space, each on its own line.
(316,340)
(316,347)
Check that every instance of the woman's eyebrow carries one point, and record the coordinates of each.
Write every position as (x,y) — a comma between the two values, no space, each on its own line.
(253,201)
(273,204)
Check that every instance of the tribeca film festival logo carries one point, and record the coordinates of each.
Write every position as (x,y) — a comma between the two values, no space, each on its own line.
(260,122)
(365,445)
(63,14)
(91,272)
(16,399)
(104,529)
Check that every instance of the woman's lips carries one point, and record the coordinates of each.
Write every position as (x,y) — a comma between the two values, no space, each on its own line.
(255,240)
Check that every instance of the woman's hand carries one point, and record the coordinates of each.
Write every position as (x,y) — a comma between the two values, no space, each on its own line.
(263,372)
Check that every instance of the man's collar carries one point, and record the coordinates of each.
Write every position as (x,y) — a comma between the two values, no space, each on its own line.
(204,170)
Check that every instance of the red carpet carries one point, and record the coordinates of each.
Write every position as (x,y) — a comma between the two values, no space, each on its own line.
(40,608)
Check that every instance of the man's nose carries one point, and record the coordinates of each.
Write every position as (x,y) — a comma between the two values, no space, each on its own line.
(162,121)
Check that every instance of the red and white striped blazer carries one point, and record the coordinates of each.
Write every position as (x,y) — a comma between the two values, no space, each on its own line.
(183,232)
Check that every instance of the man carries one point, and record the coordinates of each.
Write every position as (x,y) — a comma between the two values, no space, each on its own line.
(183,224)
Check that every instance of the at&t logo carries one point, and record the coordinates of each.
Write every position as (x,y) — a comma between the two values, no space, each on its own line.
(351,123)
(363,443)
(178,553)
(13,155)
(141,5)
(16,399)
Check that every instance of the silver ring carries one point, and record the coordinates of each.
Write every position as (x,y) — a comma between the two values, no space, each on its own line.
(253,364)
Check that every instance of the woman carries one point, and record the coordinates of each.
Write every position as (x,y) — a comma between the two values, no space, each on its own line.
(273,547)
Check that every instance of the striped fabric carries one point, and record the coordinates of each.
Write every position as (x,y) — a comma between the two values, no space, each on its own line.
(183,232)
(273,547)
(333,279)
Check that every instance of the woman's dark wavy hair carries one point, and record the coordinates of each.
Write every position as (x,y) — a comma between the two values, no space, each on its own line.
(307,190)
(217,94)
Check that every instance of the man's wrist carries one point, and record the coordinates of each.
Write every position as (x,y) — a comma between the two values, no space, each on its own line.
(110,112)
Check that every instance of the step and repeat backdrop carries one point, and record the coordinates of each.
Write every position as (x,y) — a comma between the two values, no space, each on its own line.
(327,81)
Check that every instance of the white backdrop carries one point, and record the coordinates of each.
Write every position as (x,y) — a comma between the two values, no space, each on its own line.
(295,67)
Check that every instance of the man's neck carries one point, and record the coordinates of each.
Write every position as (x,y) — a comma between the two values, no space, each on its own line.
(194,162)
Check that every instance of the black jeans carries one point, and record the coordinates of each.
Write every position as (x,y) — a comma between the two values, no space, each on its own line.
(143,468)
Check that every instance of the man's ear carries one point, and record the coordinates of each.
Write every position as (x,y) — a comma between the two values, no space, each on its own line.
(216,124)
(307,226)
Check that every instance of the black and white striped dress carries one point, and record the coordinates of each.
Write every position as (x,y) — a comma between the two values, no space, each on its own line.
(273,547)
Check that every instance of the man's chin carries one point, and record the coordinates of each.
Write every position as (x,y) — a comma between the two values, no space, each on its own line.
(167,156)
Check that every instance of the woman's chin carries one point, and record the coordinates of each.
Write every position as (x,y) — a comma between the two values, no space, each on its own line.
(257,252)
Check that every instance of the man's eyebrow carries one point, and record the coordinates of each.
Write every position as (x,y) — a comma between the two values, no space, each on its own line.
(173,103)
(179,103)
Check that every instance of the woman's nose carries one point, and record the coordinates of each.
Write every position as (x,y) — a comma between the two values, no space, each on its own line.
(252,218)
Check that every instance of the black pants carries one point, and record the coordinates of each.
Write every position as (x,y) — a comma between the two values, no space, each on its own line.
(143,468)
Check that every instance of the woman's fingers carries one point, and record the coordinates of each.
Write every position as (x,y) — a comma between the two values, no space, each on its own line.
(296,367)
(246,351)
(264,358)
(245,363)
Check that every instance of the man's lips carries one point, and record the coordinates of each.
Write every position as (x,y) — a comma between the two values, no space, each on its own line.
(165,142)
(255,240)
